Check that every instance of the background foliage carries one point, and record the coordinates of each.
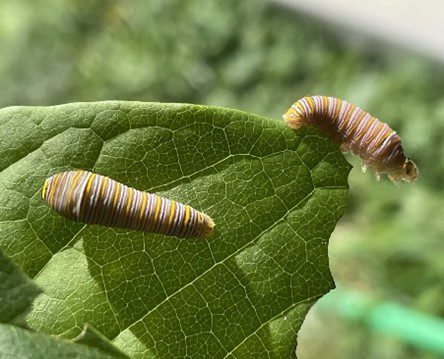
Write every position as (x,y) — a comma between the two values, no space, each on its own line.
(260,58)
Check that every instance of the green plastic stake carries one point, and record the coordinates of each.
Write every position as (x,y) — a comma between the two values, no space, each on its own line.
(413,327)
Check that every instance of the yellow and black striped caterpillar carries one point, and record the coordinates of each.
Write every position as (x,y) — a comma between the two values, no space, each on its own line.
(357,131)
(91,198)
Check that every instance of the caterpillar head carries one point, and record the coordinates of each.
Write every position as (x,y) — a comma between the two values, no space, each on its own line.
(407,172)
(208,228)
(410,171)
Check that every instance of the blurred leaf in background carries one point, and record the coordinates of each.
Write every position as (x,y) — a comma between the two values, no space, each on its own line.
(258,57)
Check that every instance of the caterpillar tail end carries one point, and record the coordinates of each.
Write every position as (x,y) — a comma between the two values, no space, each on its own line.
(45,188)
(292,118)
(208,229)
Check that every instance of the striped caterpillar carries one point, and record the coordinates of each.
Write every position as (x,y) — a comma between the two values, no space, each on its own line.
(91,198)
(357,131)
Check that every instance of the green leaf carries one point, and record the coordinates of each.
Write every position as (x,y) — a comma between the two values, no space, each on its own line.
(16,343)
(91,337)
(275,195)
(16,293)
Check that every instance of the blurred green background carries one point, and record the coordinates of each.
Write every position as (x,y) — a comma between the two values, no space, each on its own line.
(260,58)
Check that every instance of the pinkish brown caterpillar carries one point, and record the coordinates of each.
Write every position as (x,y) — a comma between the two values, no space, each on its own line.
(357,131)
